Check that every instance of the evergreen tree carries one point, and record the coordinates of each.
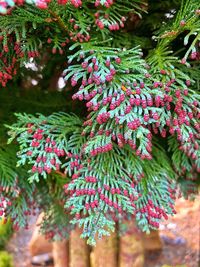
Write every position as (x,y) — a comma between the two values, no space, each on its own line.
(133,145)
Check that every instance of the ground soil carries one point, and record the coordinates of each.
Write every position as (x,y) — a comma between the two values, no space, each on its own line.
(180,236)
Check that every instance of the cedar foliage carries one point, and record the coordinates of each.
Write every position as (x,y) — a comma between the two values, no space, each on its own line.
(132,146)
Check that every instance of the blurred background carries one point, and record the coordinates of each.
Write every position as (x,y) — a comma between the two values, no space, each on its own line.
(176,244)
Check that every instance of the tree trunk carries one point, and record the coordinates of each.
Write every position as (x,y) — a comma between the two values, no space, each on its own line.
(105,252)
(152,241)
(39,244)
(79,250)
(61,254)
(131,252)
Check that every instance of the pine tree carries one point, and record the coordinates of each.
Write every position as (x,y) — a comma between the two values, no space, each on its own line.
(132,147)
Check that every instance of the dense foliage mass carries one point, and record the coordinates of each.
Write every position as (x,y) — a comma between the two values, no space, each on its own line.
(132,146)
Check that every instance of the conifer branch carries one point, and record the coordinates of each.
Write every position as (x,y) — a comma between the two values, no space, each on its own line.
(58,20)
(137,143)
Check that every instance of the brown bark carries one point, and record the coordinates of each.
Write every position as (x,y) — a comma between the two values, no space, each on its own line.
(152,241)
(105,252)
(60,254)
(134,19)
(38,244)
(53,84)
(131,251)
(78,250)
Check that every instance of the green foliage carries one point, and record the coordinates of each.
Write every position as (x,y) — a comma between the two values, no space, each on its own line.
(48,138)
(125,185)
(135,146)
(116,170)
(5,232)
(6,259)
(7,172)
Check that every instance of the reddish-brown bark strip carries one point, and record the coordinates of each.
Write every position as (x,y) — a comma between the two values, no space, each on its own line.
(105,252)
(78,249)
(131,250)
(61,254)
